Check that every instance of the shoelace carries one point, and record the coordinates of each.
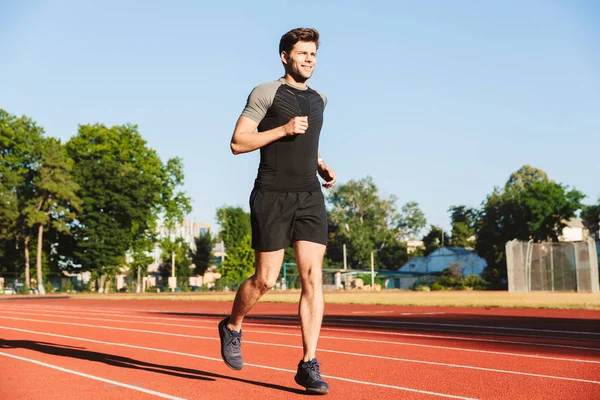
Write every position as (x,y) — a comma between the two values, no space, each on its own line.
(235,343)
(313,371)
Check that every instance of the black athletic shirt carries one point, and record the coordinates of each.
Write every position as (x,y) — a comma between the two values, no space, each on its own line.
(288,164)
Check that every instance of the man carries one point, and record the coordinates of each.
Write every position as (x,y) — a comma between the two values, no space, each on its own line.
(287,206)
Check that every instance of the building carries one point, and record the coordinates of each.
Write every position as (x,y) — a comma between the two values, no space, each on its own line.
(414,244)
(469,262)
(187,230)
(574,231)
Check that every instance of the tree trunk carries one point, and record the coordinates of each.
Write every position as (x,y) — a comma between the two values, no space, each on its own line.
(38,263)
(27,277)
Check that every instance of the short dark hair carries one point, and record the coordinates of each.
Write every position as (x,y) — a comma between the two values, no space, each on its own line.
(289,39)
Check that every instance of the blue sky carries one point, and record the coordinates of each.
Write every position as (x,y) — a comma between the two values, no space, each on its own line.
(438,101)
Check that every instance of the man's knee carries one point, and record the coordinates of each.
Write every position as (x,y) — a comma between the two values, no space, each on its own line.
(263,283)
(312,277)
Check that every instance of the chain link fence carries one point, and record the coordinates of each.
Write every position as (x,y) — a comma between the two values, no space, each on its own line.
(550,266)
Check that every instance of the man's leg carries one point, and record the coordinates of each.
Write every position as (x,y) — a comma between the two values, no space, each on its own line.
(309,258)
(251,290)
(268,265)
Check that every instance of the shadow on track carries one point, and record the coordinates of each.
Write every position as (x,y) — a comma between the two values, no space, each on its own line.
(126,362)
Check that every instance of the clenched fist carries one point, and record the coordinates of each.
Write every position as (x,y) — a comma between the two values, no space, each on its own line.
(296,126)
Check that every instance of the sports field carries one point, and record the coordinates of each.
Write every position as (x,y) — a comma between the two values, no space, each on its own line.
(404,297)
(73,348)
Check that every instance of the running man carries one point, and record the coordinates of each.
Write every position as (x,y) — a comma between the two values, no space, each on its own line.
(287,206)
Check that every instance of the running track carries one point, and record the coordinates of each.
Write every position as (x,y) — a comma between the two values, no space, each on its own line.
(150,349)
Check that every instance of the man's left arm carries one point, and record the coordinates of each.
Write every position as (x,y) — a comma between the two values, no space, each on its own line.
(326,172)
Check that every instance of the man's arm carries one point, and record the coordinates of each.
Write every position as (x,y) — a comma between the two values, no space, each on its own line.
(245,139)
(326,172)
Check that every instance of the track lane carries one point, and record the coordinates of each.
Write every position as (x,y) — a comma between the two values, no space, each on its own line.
(440,374)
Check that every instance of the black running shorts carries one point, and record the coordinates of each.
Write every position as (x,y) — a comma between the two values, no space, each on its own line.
(281,218)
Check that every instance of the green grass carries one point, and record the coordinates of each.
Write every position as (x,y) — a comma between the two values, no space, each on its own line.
(590,301)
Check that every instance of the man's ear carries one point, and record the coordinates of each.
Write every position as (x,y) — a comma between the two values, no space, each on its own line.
(284,57)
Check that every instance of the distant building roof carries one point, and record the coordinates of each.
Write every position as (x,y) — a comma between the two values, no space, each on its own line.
(574,223)
(459,250)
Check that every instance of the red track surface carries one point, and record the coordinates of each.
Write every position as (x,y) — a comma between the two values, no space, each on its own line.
(72,349)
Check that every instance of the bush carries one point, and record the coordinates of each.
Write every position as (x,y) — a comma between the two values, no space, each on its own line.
(68,287)
(423,281)
(422,288)
(48,287)
(449,280)
(367,280)
(475,282)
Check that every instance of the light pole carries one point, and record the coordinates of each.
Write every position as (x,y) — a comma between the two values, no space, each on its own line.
(173,271)
(373,265)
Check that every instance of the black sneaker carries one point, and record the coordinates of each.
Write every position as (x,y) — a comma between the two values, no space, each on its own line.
(309,376)
(231,343)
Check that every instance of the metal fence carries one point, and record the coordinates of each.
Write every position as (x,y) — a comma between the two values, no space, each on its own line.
(549,266)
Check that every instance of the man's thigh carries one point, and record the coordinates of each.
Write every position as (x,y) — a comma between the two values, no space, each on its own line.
(310,223)
(272,219)
(268,265)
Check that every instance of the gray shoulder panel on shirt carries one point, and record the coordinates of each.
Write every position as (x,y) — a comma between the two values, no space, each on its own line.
(260,100)
(323,97)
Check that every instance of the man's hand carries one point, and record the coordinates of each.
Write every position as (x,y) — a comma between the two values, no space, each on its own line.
(296,126)
(328,175)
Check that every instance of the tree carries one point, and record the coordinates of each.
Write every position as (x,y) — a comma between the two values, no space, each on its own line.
(183,259)
(125,188)
(591,218)
(434,239)
(21,151)
(239,263)
(463,226)
(203,256)
(364,221)
(393,255)
(411,219)
(54,199)
(529,207)
(235,225)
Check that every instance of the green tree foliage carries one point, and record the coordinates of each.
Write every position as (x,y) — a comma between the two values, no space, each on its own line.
(393,255)
(239,263)
(183,260)
(125,188)
(203,256)
(529,207)
(591,218)
(411,220)
(363,220)
(235,225)
(434,239)
(54,200)
(464,220)
(21,141)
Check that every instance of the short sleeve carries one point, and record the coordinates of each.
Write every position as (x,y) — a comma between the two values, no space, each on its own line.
(259,101)
(324,99)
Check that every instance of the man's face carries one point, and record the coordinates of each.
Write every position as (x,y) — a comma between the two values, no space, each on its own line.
(301,61)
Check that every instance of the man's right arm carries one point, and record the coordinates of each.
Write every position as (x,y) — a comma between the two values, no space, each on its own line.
(245,139)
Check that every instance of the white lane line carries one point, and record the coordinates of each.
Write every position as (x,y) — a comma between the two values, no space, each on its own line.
(321,350)
(326,328)
(96,378)
(220,360)
(336,338)
(374,321)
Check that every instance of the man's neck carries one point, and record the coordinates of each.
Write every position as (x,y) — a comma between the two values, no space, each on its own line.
(289,79)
